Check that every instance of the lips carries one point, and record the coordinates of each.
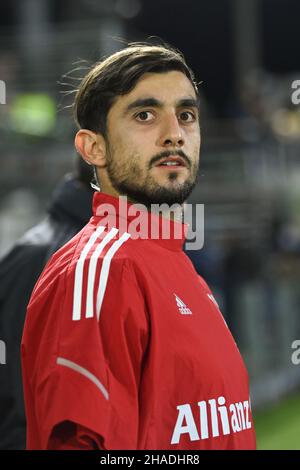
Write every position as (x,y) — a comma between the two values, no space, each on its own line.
(171,162)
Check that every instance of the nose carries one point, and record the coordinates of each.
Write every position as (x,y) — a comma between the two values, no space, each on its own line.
(171,133)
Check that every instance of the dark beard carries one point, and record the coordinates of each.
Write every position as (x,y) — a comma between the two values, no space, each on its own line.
(158,195)
(125,181)
(151,194)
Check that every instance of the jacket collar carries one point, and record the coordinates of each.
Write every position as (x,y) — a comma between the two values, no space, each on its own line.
(135,219)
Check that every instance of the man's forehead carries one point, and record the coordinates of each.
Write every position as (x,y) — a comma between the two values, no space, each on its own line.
(170,86)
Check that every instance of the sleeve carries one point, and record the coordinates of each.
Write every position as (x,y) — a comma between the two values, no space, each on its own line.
(95,369)
(71,436)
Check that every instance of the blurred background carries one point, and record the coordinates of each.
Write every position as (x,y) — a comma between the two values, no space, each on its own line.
(245,54)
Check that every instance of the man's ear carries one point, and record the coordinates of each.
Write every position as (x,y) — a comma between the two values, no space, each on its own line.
(91,147)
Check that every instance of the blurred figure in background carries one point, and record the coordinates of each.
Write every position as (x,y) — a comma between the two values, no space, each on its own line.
(19,211)
(68,212)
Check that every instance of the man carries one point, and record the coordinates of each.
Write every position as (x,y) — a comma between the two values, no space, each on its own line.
(68,212)
(124,346)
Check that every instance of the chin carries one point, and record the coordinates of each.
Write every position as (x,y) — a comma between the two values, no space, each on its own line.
(176,183)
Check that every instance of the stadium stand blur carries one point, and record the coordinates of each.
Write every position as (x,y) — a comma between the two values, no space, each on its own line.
(249,176)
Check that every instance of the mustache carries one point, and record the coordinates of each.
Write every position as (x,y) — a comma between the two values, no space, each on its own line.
(170,153)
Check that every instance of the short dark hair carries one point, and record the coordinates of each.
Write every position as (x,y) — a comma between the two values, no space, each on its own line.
(117,75)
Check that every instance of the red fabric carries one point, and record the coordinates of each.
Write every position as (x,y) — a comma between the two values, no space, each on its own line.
(72,436)
(153,371)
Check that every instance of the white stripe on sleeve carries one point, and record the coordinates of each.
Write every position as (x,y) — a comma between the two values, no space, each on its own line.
(105,269)
(77,294)
(81,370)
(92,272)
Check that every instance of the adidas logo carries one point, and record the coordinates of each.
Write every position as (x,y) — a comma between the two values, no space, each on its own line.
(183,309)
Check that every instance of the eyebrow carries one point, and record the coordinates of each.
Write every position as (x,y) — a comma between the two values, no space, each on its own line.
(154,103)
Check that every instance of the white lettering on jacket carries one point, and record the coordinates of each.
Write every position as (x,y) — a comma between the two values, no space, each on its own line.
(215,419)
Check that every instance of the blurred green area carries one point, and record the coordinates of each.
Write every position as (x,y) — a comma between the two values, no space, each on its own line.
(278,428)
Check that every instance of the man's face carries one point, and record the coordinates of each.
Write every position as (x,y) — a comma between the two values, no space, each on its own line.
(153,140)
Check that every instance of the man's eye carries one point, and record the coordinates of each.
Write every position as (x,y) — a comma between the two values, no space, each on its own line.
(187,116)
(144,116)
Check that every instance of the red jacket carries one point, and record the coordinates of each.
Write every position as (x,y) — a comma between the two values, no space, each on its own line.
(125,345)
